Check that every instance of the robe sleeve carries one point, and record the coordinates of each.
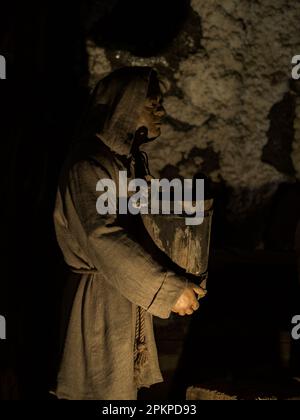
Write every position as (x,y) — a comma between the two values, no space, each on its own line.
(125,264)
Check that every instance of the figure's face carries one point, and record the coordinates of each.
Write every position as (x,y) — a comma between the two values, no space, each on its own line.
(152,115)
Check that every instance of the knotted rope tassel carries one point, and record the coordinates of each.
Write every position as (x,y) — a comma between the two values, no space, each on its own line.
(141,351)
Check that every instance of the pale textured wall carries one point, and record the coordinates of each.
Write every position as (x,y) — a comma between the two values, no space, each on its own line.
(233,113)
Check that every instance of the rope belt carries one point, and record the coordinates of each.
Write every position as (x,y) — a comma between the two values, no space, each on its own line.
(140,354)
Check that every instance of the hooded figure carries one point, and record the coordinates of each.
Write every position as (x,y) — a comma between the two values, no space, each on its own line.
(109,349)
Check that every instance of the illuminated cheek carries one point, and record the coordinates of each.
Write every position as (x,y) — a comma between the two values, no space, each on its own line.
(149,120)
(142,120)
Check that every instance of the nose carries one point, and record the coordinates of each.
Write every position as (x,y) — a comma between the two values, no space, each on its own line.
(160,112)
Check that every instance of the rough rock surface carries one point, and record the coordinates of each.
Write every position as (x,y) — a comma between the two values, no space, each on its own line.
(227,80)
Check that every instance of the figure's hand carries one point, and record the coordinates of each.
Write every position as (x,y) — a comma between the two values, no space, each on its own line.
(188,301)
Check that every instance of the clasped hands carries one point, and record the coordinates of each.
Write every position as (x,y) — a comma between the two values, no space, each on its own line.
(188,300)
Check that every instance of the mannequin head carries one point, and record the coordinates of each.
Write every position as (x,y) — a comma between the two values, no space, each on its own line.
(153,112)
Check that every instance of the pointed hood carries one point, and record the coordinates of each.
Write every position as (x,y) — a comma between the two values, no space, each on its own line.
(115,107)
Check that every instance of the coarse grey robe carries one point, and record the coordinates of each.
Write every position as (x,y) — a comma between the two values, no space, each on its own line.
(117,275)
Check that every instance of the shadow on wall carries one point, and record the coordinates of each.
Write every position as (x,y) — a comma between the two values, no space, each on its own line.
(143,28)
(43,98)
(236,334)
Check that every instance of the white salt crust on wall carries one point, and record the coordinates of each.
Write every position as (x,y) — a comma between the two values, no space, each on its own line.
(229,88)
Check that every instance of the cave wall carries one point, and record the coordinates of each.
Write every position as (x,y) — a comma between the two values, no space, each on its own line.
(233,112)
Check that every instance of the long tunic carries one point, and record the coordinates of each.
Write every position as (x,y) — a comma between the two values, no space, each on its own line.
(117,277)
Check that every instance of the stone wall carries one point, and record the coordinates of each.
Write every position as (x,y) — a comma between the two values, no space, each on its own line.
(233,112)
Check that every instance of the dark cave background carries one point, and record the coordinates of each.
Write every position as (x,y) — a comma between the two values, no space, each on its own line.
(252,294)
